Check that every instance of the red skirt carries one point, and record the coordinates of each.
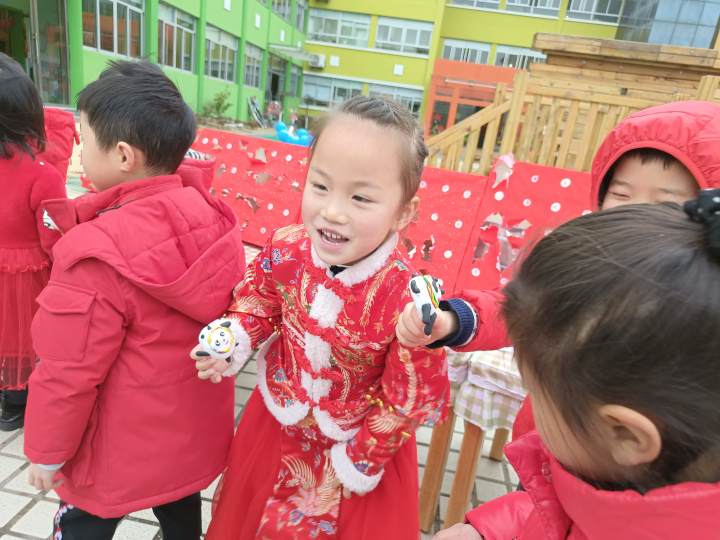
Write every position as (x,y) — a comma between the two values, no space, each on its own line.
(23,275)
(389,511)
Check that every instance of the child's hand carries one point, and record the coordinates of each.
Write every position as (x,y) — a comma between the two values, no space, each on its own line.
(460,531)
(410,329)
(42,479)
(208,367)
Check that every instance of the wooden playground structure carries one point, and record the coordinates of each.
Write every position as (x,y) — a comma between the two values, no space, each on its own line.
(557,113)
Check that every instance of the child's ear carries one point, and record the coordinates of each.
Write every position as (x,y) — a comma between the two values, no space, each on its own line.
(634,439)
(129,157)
(407,213)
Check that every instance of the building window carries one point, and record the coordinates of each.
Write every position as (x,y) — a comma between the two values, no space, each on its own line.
(339,27)
(300,15)
(535,7)
(282,8)
(328,92)
(114,26)
(466,51)
(176,38)
(486,4)
(220,53)
(404,36)
(253,65)
(595,10)
(411,99)
(517,57)
(294,81)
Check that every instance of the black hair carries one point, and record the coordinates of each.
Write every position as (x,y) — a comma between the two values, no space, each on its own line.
(623,307)
(645,155)
(390,114)
(22,118)
(136,103)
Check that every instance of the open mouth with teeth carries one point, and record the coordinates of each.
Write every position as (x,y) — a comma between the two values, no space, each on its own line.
(331,237)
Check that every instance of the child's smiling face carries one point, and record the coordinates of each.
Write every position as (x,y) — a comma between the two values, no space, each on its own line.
(635,182)
(353,198)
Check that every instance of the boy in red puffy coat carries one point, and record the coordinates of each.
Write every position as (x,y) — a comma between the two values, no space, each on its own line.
(660,154)
(117,419)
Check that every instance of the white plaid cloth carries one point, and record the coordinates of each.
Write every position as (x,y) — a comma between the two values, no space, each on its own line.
(490,390)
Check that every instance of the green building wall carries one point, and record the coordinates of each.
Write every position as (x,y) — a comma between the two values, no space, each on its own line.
(198,89)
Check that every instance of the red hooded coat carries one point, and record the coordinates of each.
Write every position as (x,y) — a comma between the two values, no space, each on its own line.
(139,269)
(557,506)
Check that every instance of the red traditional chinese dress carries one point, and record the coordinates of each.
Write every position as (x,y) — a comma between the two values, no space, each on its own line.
(337,402)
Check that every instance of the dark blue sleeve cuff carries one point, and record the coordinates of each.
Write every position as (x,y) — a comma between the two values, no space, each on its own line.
(467,322)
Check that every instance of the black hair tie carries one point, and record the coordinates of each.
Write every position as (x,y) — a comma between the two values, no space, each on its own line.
(706,210)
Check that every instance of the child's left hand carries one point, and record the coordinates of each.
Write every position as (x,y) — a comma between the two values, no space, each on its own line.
(460,531)
(208,367)
(42,479)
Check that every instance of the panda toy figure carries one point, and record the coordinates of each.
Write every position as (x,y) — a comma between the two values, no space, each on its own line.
(426,293)
(219,340)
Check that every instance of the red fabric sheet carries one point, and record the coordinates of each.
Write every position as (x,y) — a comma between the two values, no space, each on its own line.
(468,229)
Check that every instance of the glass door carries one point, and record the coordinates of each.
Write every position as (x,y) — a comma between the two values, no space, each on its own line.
(48,44)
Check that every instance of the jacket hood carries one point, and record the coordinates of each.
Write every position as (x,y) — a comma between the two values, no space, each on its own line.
(687,510)
(165,235)
(687,130)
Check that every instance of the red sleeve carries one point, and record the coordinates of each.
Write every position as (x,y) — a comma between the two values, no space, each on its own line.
(502,518)
(77,333)
(256,304)
(491,333)
(48,185)
(414,389)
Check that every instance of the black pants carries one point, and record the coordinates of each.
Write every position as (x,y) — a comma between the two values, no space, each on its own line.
(16,398)
(179,520)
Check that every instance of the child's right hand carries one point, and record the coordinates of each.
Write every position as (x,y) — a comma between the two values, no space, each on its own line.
(208,367)
(460,531)
(410,328)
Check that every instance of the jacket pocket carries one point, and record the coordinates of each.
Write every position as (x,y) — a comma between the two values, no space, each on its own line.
(61,324)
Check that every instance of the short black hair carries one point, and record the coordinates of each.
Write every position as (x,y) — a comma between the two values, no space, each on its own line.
(22,118)
(136,103)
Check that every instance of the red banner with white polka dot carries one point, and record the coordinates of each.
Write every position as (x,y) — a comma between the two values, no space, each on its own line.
(468,229)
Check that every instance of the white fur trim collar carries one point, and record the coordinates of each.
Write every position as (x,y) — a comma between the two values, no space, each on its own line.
(364,269)
(348,475)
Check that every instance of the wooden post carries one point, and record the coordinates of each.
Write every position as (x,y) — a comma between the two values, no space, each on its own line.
(491,133)
(499,442)
(434,471)
(516,108)
(465,475)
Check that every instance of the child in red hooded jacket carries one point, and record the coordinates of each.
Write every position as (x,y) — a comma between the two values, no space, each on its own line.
(117,420)
(660,154)
(25,242)
(614,318)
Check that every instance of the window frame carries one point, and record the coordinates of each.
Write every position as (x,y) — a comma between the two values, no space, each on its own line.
(342,19)
(531,7)
(131,8)
(282,8)
(404,96)
(301,8)
(466,47)
(405,26)
(476,4)
(227,43)
(253,69)
(334,84)
(178,28)
(592,14)
(527,56)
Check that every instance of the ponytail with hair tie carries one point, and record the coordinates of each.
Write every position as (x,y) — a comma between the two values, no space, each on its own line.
(706,210)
